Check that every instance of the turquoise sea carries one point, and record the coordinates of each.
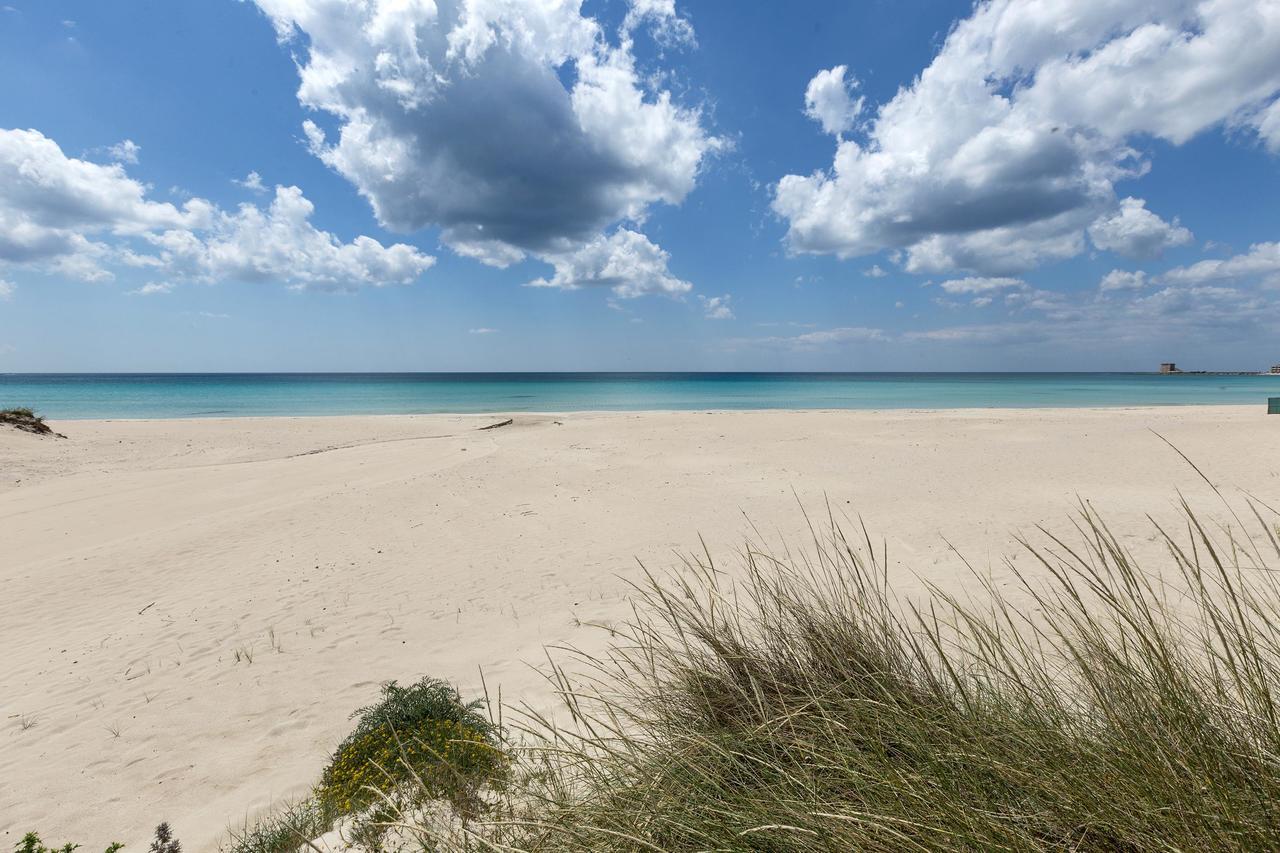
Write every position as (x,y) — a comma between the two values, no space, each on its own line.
(170,395)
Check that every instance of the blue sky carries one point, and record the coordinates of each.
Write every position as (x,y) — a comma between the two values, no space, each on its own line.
(638,185)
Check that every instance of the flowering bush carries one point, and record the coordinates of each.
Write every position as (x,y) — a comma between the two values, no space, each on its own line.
(418,744)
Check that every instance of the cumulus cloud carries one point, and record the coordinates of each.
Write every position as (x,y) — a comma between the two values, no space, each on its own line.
(7,289)
(874,272)
(668,27)
(76,218)
(280,244)
(518,128)
(1267,122)
(1135,232)
(1262,261)
(1001,154)
(251,182)
(829,100)
(626,262)
(716,307)
(51,205)
(125,151)
(1124,280)
(980,284)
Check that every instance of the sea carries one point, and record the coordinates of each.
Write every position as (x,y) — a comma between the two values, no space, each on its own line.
(201,395)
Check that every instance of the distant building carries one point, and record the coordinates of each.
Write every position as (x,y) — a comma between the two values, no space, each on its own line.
(1275,368)
(1170,367)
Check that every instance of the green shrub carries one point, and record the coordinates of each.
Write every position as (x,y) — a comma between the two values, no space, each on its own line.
(31,843)
(418,744)
(164,841)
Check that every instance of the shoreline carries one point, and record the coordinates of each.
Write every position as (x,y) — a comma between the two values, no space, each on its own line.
(189,396)
(564,413)
(343,551)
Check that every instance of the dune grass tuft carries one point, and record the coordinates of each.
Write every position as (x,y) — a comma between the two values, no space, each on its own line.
(285,830)
(1099,706)
(25,419)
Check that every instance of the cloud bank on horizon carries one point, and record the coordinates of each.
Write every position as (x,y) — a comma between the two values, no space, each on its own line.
(529,134)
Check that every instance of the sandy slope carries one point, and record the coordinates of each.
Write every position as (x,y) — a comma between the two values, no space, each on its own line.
(137,558)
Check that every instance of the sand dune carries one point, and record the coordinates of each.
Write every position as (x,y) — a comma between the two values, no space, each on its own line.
(189,610)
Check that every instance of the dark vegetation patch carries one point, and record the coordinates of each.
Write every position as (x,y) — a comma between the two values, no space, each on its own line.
(26,420)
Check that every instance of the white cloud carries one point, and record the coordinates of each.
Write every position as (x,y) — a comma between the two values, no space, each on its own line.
(874,272)
(1204,312)
(482,331)
(458,114)
(844,334)
(152,289)
(1010,333)
(1209,303)
(7,289)
(1124,280)
(51,205)
(280,244)
(251,182)
(669,29)
(1267,122)
(716,307)
(1135,232)
(980,284)
(1207,311)
(1008,146)
(829,100)
(76,218)
(626,262)
(818,339)
(125,151)
(1262,261)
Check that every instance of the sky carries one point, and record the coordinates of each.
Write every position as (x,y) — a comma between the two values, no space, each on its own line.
(457,185)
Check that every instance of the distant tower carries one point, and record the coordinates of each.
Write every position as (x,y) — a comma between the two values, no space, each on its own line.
(1169,367)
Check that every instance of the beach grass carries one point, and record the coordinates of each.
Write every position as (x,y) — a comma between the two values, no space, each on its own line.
(798,704)
(26,420)
(284,830)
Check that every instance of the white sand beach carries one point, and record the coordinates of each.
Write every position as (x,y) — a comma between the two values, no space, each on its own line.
(140,559)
